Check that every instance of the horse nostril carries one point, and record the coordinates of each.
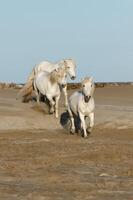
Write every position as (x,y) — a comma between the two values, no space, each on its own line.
(63,85)
(73,77)
(87,98)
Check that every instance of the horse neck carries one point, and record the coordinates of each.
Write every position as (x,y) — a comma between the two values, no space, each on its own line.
(92,90)
(53,79)
(60,64)
(56,65)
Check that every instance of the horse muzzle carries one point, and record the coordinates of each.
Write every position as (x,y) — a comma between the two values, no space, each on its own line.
(63,85)
(87,98)
(73,77)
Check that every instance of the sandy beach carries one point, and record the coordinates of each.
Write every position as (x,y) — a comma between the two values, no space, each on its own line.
(40,160)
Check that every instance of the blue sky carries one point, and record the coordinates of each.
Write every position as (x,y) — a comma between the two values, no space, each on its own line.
(97,34)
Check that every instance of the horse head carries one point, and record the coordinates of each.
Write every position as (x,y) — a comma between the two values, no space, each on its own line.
(60,76)
(87,85)
(71,68)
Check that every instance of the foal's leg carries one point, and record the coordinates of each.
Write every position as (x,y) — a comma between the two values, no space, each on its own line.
(56,105)
(65,95)
(72,120)
(83,124)
(91,116)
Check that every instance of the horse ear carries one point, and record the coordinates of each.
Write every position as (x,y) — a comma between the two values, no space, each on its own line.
(65,62)
(54,72)
(91,78)
(56,69)
(82,79)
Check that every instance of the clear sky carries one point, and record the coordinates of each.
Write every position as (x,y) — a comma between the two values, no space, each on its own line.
(97,34)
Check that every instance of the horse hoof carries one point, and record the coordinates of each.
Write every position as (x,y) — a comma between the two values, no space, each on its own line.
(84,136)
(72,131)
(89,130)
(51,112)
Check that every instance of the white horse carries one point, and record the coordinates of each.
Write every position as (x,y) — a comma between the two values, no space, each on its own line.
(49,84)
(47,66)
(82,103)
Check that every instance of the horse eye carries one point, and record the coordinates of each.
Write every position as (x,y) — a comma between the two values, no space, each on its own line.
(91,85)
(83,85)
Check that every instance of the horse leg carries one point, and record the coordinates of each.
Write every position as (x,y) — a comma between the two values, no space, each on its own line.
(65,95)
(83,124)
(56,105)
(72,120)
(52,103)
(37,93)
(38,97)
(91,116)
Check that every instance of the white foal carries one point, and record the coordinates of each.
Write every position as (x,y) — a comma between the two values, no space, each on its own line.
(82,103)
(49,84)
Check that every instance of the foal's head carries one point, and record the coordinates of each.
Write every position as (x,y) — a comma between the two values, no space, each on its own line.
(87,85)
(60,76)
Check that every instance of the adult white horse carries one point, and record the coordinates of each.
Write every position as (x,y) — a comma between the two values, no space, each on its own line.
(47,66)
(49,84)
(82,103)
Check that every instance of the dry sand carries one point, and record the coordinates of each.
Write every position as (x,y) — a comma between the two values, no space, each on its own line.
(39,160)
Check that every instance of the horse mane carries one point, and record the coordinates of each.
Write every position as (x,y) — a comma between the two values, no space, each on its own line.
(62,65)
(86,79)
(53,76)
(64,62)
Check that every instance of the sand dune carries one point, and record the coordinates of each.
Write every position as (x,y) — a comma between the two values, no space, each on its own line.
(113,106)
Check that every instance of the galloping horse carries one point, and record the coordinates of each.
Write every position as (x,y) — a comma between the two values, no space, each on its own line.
(47,66)
(49,84)
(82,104)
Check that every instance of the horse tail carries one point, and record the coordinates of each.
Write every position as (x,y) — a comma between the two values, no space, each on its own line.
(26,90)
(28,87)
(32,75)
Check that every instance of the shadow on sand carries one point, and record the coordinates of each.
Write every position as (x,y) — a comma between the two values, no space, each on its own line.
(66,123)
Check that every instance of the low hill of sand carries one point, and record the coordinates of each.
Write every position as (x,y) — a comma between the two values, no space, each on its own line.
(114,108)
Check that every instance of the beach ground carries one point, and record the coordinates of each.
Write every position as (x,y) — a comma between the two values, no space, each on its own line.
(39,160)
